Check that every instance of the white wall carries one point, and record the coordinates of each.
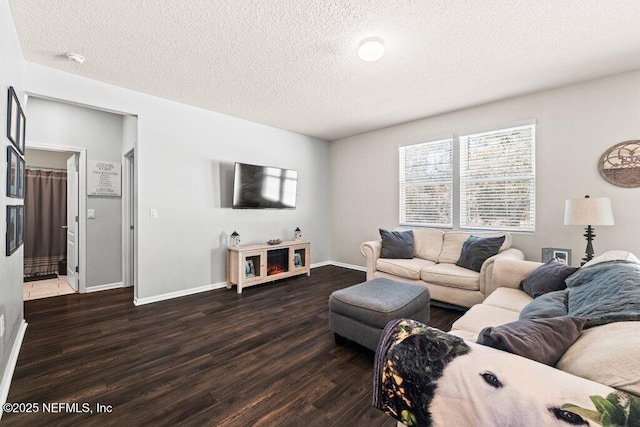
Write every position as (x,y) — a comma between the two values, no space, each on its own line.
(11,74)
(101,133)
(46,159)
(575,125)
(183,154)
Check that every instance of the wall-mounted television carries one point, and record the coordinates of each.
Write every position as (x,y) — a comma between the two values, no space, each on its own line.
(264,187)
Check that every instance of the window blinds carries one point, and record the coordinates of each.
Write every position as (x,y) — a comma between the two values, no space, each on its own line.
(426,184)
(497,179)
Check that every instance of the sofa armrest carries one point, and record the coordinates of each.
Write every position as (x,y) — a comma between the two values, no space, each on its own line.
(486,271)
(423,376)
(371,251)
(508,273)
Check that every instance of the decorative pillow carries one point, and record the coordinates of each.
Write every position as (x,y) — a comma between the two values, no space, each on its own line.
(476,250)
(552,304)
(542,340)
(548,277)
(397,244)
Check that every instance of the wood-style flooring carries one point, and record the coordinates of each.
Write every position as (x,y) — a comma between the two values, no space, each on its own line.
(265,357)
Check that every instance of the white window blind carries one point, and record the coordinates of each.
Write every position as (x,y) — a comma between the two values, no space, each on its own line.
(497,179)
(426,184)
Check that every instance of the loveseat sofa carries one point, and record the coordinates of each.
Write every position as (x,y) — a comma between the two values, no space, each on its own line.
(596,380)
(434,265)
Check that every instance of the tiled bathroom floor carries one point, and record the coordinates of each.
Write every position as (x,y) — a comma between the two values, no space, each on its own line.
(47,288)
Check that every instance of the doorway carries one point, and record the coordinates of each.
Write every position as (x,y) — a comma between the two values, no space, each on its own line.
(129,220)
(55,209)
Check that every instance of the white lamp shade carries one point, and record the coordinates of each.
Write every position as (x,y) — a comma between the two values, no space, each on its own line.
(588,211)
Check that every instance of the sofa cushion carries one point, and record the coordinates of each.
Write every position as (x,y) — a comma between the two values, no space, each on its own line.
(396,244)
(552,304)
(509,299)
(542,340)
(451,275)
(427,243)
(607,354)
(548,277)
(476,250)
(480,316)
(407,268)
(453,241)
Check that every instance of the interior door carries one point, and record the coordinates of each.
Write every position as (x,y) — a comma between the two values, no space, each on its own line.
(72,222)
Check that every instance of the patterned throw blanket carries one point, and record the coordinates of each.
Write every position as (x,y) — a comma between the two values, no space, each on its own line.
(426,377)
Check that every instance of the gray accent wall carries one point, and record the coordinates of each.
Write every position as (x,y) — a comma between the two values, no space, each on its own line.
(11,270)
(184,158)
(101,133)
(575,125)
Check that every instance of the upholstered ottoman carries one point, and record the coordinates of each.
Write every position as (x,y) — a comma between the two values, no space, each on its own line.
(360,313)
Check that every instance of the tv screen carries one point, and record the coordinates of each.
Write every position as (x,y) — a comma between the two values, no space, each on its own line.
(264,187)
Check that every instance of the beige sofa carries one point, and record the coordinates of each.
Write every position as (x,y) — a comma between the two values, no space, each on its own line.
(607,354)
(434,266)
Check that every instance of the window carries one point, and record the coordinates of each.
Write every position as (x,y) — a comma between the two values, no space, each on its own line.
(497,179)
(426,184)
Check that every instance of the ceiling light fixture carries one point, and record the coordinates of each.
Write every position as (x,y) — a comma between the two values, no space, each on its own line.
(371,49)
(75,57)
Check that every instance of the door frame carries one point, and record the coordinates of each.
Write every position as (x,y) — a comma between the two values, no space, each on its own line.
(82,204)
(129,209)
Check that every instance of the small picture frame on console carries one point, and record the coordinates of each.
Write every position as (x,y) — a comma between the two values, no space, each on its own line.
(249,269)
(562,255)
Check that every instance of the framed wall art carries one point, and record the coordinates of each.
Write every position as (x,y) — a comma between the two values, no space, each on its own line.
(21,177)
(13,117)
(12,229)
(13,160)
(20,226)
(22,130)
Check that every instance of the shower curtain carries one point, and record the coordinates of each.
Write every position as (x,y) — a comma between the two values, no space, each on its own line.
(45,208)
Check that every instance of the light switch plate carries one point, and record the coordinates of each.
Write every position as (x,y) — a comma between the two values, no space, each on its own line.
(91,213)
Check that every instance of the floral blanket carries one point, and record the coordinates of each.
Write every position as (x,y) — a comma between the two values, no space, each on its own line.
(426,377)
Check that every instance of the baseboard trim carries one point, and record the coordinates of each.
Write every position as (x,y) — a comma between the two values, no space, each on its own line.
(351,266)
(11,365)
(320,264)
(104,287)
(178,294)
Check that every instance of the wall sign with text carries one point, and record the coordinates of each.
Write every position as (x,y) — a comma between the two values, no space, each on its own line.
(104,178)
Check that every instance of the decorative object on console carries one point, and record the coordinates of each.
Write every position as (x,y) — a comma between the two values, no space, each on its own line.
(620,164)
(588,211)
(234,240)
(274,242)
(297,234)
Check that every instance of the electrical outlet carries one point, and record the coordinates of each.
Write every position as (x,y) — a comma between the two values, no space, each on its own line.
(1,325)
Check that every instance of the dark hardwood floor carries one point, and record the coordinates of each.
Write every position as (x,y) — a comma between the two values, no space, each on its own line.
(265,357)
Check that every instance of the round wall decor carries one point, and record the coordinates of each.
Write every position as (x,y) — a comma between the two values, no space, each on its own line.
(620,164)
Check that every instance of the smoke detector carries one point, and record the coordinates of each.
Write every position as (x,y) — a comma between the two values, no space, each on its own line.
(75,57)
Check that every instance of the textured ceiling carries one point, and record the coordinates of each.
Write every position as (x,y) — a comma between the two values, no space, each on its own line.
(293,64)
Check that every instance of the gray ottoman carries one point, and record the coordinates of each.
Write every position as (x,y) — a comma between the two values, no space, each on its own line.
(360,313)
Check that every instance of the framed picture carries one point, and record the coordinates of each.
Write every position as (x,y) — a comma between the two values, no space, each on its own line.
(297,260)
(21,177)
(12,229)
(22,130)
(20,227)
(13,117)
(562,255)
(13,160)
(249,269)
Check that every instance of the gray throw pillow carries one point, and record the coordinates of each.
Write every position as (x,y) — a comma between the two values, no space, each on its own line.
(396,244)
(548,277)
(552,304)
(542,340)
(476,250)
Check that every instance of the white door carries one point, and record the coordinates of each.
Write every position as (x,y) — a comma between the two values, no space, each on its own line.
(72,222)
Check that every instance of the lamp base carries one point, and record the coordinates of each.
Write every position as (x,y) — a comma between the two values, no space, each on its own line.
(589,251)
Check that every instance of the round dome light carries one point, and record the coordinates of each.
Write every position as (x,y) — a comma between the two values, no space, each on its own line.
(371,50)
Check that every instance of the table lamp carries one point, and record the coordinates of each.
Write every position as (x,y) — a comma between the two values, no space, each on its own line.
(588,211)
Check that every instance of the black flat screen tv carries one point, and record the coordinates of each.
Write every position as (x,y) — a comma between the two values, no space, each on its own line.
(264,187)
